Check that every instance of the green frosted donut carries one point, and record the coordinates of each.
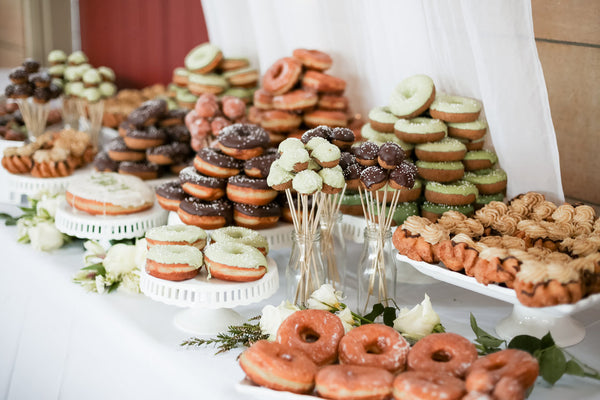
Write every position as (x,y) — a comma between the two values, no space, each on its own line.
(74,88)
(208,80)
(242,235)
(412,96)
(382,118)
(445,165)
(446,144)
(486,176)
(176,233)
(421,125)
(181,72)
(402,211)
(379,138)
(201,57)
(481,155)
(455,104)
(351,199)
(241,93)
(476,125)
(484,199)
(460,187)
(185,96)
(307,182)
(442,208)
(235,254)
(326,153)
(176,254)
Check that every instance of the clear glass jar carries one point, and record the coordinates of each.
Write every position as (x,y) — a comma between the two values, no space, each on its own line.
(376,270)
(305,272)
(333,251)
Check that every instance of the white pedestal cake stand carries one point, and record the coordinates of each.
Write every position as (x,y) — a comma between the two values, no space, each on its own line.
(523,320)
(209,302)
(107,227)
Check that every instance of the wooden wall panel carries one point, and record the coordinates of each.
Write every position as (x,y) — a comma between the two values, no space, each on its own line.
(142,40)
(12,38)
(567,20)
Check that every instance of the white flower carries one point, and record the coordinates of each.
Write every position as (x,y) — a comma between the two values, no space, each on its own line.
(100,284)
(45,237)
(94,253)
(120,259)
(272,317)
(325,298)
(130,282)
(418,322)
(141,248)
(347,319)
(23,225)
(49,204)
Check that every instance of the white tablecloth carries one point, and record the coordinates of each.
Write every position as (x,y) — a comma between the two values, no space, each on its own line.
(59,342)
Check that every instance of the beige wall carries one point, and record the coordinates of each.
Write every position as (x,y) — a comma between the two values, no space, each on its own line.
(568,41)
(12,35)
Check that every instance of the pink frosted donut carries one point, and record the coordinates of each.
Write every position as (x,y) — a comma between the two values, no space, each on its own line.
(217,124)
(374,345)
(207,106)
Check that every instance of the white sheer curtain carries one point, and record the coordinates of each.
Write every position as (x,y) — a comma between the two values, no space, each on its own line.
(481,49)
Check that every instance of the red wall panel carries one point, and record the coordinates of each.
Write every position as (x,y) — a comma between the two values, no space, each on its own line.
(142,40)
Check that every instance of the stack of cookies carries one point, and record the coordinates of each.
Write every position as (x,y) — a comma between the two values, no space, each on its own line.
(206,71)
(297,94)
(154,141)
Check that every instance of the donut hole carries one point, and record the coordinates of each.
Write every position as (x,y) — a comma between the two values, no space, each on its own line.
(373,348)
(309,336)
(277,71)
(409,92)
(441,356)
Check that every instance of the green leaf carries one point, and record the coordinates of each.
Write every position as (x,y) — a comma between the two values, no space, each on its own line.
(98,268)
(123,241)
(438,328)
(389,315)
(10,220)
(547,341)
(553,364)
(376,312)
(527,343)
(573,368)
(489,341)
(113,287)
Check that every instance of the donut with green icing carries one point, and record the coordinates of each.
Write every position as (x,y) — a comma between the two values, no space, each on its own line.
(455,108)
(242,235)
(447,149)
(433,211)
(186,99)
(381,119)
(455,194)
(440,171)
(488,181)
(484,199)
(203,59)
(479,159)
(173,262)
(468,130)
(412,96)
(420,130)
(209,83)
(379,138)
(232,261)
(471,145)
(402,212)
(182,235)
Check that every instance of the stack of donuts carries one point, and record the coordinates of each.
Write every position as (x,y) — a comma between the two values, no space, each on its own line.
(207,71)
(28,80)
(446,137)
(227,184)
(117,108)
(548,254)
(297,94)
(311,354)
(153,141)
(210,115)
(178,252)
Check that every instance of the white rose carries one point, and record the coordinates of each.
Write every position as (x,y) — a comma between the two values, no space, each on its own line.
(418,322)
(325,298)
(100,284)
(131,282)
(347,319)
(272,317)
(45,237)
(94,253)
(49,204)
(120,259)
(23,226)
(141,248)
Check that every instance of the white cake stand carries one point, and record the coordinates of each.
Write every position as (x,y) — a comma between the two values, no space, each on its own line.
(107,227)
(4,174)
(209,302)
(523,320)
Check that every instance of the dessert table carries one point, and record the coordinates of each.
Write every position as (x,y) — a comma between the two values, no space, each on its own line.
(58,341)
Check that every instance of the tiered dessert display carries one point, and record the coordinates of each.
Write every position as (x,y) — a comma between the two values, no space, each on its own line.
(237,273)
(154,141)
(297,94)
(548,254)
(207,71)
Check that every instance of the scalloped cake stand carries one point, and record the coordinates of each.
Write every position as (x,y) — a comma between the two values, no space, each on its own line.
(209,302)
(523,320)
(108,227)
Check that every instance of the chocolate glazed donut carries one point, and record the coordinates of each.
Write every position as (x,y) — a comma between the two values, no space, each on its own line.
(243,141)
(205,214)
(256,217)
(253,191)
(259,167)
(212,162)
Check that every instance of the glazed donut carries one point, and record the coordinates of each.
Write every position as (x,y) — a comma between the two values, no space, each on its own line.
(144,139)
(258,167)
(315,332)
(243,141)
(203,58)
(142,170)
(374,345)
(494,373)
(180,77)
(217,124)
(278,367)
(169,195)
(200,186)
(263,99)
(455,108)
(335,103)
(212,162)
(206,106)
(323,83)
(253,191)
(209,83)
(447,353)
(242,77)
(168,154)
(205,214)
(313,59)
(280,121)
(228,64)
(173,263)
(412,96)
(118,151)
(295,100)
(233,108)
(231,261)
(282,76)
(427,385)
(242,235)
(256,217)
(353,382)
(420,130)
(181,235)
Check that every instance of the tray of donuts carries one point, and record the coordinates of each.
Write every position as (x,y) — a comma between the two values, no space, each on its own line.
(538,253)
(297,94)
(313,355)
(153,142)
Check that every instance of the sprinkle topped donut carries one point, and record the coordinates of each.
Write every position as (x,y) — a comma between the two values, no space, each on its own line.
(455,108)
(242,235)
(420,130)
(243,141)
(412,96)
(203,58)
